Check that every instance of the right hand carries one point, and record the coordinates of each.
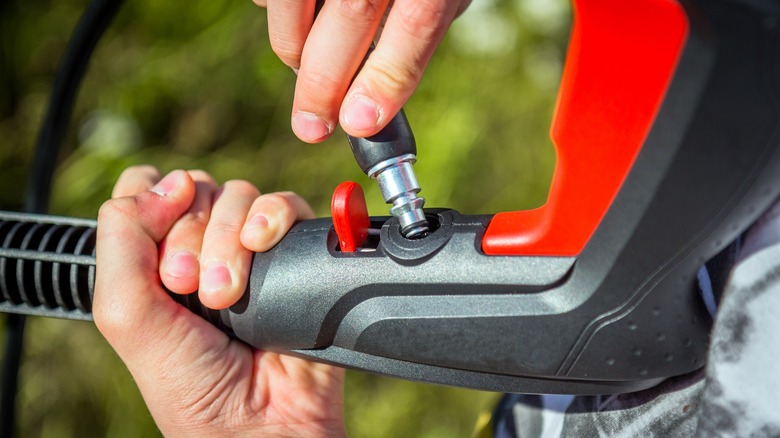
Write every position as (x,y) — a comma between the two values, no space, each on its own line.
(328,52)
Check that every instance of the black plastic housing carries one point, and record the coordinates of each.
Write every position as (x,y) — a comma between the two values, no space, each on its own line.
(621,316)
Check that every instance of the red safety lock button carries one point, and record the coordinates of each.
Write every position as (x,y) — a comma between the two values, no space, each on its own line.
(350,215)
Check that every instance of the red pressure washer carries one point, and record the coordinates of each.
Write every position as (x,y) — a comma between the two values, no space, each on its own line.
(667,131)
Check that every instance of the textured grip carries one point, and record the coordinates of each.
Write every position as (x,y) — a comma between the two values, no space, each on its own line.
(47,268)
(47,265)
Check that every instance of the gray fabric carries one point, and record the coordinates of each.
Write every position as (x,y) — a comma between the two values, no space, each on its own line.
(663,411)
(743,385)
(531,414)
(736,396)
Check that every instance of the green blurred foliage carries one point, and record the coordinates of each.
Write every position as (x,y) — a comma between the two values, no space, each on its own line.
(196,85)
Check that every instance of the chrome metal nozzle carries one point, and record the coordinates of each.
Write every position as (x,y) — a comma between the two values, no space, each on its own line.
(399,187)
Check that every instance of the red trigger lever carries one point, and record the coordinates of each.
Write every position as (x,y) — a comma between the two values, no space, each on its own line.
(350,215)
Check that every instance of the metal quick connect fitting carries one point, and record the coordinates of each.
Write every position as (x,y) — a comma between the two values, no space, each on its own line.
(399,187)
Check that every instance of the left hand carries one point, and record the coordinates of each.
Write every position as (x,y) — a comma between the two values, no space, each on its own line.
(185,232)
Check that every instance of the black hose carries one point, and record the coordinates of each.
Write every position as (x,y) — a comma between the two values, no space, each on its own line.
(14,338)
(91,26)
(89,29)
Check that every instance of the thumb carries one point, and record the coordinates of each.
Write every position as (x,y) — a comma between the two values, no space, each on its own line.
(129,302)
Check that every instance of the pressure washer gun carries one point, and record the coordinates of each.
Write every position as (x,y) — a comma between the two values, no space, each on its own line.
(667,132)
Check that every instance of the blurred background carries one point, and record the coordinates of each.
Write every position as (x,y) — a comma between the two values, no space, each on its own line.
(195,85)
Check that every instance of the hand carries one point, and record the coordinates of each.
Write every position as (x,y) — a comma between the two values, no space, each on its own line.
(327,53)
(191,234)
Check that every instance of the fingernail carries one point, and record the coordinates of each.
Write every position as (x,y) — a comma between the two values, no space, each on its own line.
(166,185)
(361,113)
(215,277)
(310,127)
(182,264)
(258,221)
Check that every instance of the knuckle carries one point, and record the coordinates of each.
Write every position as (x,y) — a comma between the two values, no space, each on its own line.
(425,19)
(132,179)
(320,86)
(141,168)
(117,209)
(394,76)
(198,219)
(241,187)
(281,203)
(201,175)
(361,9)
(288,195)
(289,53)
(224,227)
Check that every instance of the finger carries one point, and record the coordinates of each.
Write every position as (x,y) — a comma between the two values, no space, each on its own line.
(180,250)
(270,217)
(462,6)
(261,3)
(160,342)
(128,297)
(224,262)
(134,180)
(333,52)
(413,30)
(289,22)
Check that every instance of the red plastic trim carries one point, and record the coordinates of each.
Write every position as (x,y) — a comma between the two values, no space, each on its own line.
(350,215)
(621,58)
